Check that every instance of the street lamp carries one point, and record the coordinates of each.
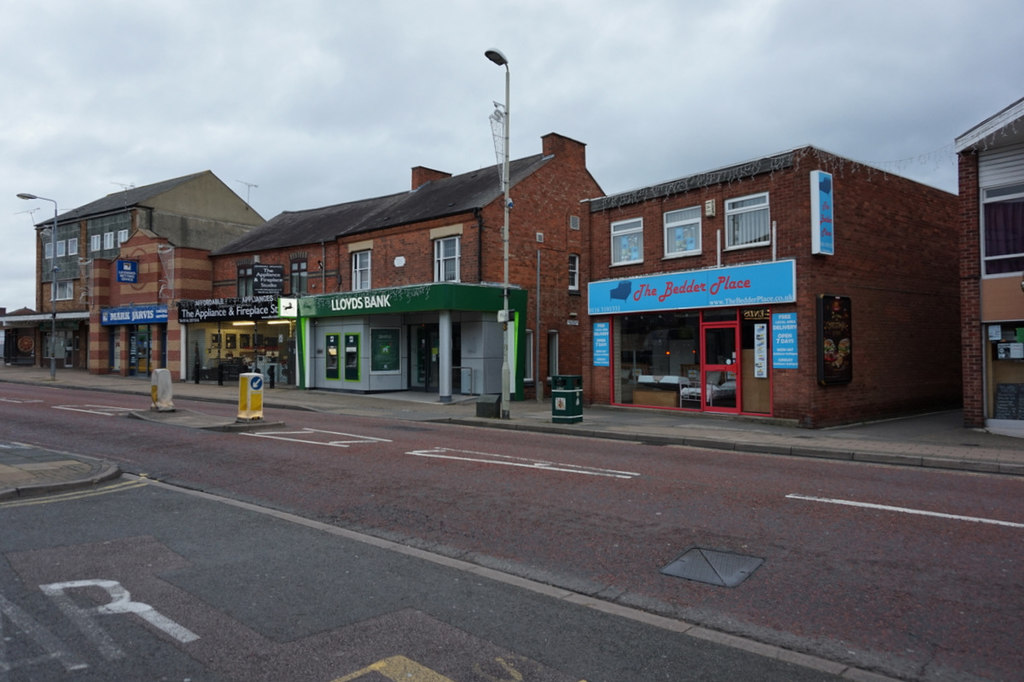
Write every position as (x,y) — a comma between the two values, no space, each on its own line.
(53,282)
(498,58)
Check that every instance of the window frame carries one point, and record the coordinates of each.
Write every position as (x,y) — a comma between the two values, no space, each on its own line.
(574,272)
(992,196)
(362,271)
(244,280)
(631,228)
(72,246)
(732,212)
(108,241)
(95,243)
(122,237)
(440,260)
(298,276)
(671,220)
(65,290)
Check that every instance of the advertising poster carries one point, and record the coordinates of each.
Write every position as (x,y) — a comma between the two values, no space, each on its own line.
(835,340)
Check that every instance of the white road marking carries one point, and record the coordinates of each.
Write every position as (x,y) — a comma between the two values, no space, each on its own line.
(20,400)
(104,410)
(309,436)
(904,510)
(506,460)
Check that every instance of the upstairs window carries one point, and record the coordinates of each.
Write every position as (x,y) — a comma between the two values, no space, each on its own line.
(95,243)
(682,232)
(122,237)
(628,241)
(245,280)
(65,291)
(298,276)
(361,270)
(1004,230)
(574,272)
(73,246)
(747,222)
(446,259)
(108,241)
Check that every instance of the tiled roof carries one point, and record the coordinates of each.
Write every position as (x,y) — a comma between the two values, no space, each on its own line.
(434,199)
(132,196)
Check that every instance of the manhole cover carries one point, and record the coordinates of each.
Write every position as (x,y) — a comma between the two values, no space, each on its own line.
(724,569)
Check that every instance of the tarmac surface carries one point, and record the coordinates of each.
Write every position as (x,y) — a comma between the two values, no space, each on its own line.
(937,440)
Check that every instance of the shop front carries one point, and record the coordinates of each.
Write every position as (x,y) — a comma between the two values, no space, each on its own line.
(225,337)
(439,338)
(702,340)
(136,338)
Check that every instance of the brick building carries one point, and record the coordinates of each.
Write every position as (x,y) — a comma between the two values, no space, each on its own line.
(120,262)
(991,162)
(401,292)
(800,286)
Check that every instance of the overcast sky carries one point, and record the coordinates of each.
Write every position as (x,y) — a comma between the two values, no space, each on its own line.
(304,103)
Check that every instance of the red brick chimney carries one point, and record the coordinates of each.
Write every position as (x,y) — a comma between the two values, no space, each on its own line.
(421,175)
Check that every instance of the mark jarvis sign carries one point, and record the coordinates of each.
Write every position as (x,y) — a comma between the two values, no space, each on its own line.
(758,284)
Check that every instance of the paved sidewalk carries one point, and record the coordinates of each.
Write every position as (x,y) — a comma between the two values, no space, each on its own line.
(936,440)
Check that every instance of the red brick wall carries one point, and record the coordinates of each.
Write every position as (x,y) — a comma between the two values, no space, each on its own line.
(896,258)
(970,292)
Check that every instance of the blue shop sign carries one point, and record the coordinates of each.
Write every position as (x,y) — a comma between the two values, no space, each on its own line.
(741,285)
(136,314)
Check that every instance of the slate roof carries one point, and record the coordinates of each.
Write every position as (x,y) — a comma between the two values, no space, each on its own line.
(117,201)
(434,199)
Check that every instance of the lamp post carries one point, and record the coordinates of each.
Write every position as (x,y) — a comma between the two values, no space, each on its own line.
(53,282)
(498,58)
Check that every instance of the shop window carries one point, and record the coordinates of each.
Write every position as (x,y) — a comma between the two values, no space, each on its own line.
(244,280)
(446,259)
(657,357)
(361,261)
(682,232)
(298,276)
(628,241)
(747,221)
(1004,230)
(574,272)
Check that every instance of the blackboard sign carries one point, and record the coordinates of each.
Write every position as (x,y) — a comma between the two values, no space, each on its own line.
(1008,399)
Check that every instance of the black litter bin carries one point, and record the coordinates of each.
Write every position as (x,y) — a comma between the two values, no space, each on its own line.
(566,398)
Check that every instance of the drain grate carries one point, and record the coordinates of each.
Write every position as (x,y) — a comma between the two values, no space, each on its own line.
(725,569)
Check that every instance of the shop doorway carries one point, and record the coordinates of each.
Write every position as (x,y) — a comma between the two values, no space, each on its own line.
(720,370)
(425,340)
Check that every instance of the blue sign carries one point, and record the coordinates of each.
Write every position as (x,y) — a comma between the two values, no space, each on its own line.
(602,354)
(137,314)
(128,271)
(741,285)
(784,341)
(256,383)
(823,236)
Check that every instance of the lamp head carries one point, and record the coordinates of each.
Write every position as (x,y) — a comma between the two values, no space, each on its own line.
(496,56)
(26,195)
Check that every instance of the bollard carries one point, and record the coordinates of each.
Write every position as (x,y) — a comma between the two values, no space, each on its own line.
(161,390)
(250,397)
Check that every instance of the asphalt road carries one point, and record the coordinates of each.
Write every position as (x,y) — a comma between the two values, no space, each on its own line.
(923,585)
